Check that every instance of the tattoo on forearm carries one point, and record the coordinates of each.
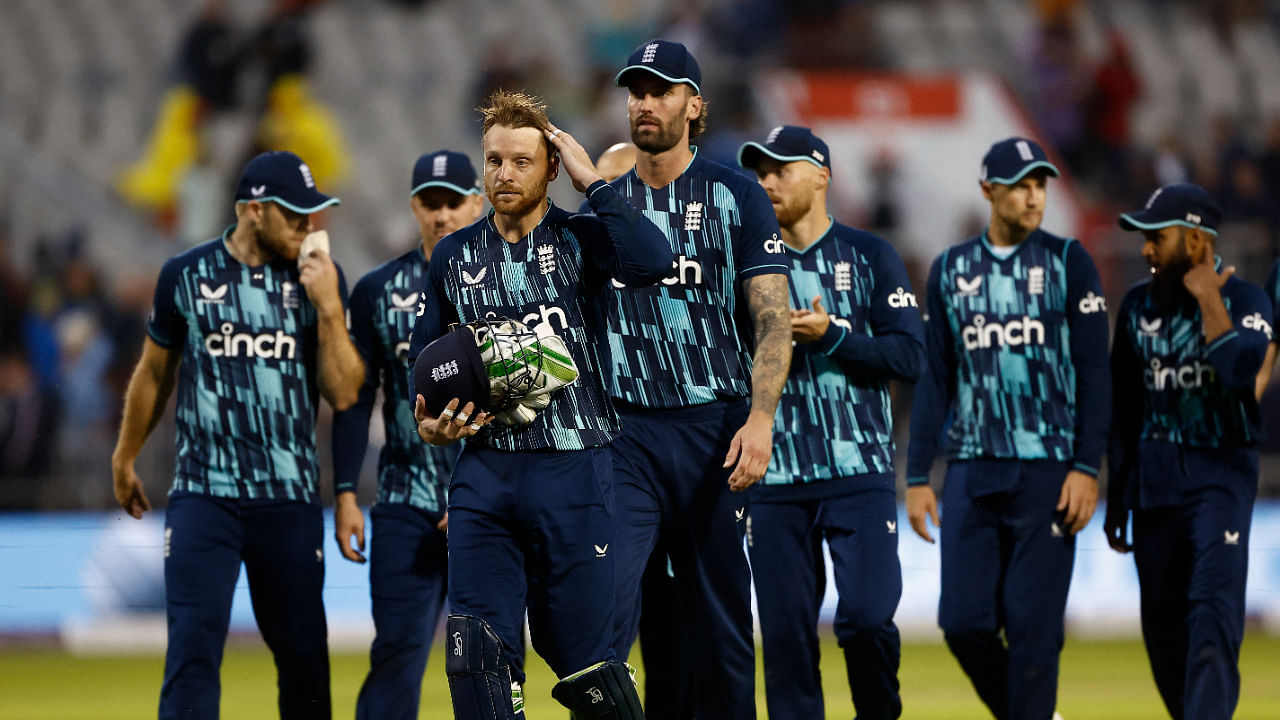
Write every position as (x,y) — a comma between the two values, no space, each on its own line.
(767,300)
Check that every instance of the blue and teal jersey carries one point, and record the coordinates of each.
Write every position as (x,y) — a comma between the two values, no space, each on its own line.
(835,421)
(1174,389)
(558,274)
(1272,287)
(381,314)
(1017,357)
(246,390)
(686,340)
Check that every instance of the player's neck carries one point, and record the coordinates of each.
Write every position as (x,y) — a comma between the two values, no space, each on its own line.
(513,228)
(660,169)
(808,229)
(243,245)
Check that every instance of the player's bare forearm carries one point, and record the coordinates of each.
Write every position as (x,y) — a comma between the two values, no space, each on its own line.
(340,369)
(144,404)
(767,300)
(145,399)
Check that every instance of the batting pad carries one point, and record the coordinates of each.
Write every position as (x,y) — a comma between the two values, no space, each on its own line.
(603,691)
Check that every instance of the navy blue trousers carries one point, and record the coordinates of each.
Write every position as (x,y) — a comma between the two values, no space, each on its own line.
(536,529)
(1006,569)
(668,682)
(408,566)
(785,543)
(280,544)
(673,492)
(1192,563)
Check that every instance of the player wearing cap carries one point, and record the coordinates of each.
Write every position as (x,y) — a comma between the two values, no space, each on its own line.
(831,475)
(699,363)
(407,568)
(249,332)
(1018,391)
(1188,344)
(531,507)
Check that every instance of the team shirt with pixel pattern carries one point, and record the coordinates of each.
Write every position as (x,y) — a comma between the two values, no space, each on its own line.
(1173,387)
(683,341)
(1017,357)
(558,274)
(246,390)
(383,308)
(835,421)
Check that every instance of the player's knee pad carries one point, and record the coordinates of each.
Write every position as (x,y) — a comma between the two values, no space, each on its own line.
(603,691)
(479,673)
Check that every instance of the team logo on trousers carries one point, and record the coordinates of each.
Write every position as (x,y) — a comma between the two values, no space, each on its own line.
(1231,538)
(601,550)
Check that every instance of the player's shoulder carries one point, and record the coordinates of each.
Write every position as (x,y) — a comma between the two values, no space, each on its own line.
(738,183)
(1134,296)
(378,278)
(452,244)
(203,258)
(1238,287)
(962,252)
(865,242)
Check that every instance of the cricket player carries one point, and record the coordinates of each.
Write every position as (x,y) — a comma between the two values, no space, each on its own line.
(661,633)
(699,362)
(531,507)
(1188,344)
(250,333)
(831,476)
(1018,393)
(409,558)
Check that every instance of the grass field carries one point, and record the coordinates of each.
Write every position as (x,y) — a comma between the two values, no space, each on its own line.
(1100,679)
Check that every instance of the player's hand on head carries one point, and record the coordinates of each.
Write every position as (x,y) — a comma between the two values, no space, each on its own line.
(751,448)
(922,504)
(128,490)
(348,523)
(451,425)
(1203,278)
(810,325)
(1078,500)
(573,157)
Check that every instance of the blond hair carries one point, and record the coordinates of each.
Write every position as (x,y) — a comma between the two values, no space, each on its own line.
(513,110)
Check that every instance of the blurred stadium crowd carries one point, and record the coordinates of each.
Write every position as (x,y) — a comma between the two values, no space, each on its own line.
(122,125)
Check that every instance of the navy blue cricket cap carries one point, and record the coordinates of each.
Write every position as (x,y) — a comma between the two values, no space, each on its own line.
(447,169)
(1182,204)
(1008,161)
(669,60)
(450,367)
(787,143)
(282,178)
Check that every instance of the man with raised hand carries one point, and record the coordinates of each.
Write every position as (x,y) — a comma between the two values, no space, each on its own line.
(831,476)
(699,362)
(1017,392)
(531,502)
(409,560)
(1183,458)
(251,334)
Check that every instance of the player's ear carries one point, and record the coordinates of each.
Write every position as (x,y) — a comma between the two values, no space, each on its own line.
(553,166)
(986,190)
(695,107)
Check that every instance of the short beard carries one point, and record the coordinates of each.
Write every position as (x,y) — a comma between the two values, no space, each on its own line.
(662,141)
(789,213)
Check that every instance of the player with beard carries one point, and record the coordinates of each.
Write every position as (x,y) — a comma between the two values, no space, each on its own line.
(407,570)
(250,336)
(699,363)
(1018,393)
(531,507)
(1188,345)
(831,476)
